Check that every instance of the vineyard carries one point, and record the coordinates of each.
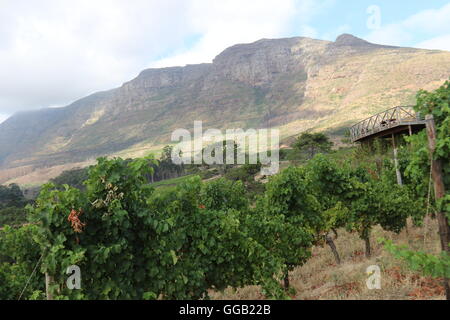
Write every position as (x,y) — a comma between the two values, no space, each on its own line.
(198,239)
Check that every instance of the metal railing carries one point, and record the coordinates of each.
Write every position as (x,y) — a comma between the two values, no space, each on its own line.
(397,116)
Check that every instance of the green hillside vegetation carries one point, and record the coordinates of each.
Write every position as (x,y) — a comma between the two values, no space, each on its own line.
(12,206)
(172,182)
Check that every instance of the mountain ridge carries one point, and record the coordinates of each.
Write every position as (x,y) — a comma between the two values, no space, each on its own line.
(293,83)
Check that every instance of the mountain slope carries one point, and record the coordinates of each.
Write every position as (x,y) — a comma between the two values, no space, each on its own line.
(294,84)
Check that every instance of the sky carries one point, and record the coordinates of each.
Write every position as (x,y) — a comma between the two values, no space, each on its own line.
(53,52)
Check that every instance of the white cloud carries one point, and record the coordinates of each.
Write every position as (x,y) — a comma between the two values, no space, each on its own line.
(55,51)
(225,23)
(52,51)
(3,117)
(437,43)
(433,24)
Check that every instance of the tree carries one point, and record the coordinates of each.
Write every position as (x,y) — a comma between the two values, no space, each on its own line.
(223,194)
(12,205)
(165,168)
(312,143)
(73,178)
(11,196)
(284,219)
(166,154)
(332,186)
(227,148)
(378,201)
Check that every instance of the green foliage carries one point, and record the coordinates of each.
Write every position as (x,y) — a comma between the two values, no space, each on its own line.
(437,103)
(171,182)
(289,193)
(12,216)
(372,156)
(246,174)
(134,243)
(291,155)
(212,249)
(379,200)
(428,264)
(223,194)
(12,203)
(330,180)
(346,139)
(73,178)
(313,143)
(165,168)
(11,196)
(284,218)
(415,162)
(224,149)
(357,198)
(333,187)
(417,171)
(19,254)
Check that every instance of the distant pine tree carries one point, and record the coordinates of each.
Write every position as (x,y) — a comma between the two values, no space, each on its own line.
(313,143)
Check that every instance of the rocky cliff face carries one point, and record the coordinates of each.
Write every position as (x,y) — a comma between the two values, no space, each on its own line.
(294,84)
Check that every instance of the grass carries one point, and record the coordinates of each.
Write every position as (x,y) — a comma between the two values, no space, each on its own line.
(172,182)
(321,279)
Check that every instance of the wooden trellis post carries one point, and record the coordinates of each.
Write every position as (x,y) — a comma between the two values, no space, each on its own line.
(439,192)
(397,169)
(48,283)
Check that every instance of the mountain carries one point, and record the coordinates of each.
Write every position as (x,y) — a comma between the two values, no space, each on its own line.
(294,84)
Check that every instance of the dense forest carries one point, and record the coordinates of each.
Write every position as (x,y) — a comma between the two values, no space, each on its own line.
(134,240)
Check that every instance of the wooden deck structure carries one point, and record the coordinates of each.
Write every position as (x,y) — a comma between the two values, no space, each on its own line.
(387,123)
